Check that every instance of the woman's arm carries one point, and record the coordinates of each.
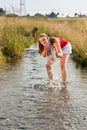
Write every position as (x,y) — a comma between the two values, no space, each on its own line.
(56,45)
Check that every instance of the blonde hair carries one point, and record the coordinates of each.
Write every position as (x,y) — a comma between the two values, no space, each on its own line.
(42,35)
(40,46)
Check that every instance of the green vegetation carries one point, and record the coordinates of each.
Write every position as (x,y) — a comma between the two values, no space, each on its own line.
(2,12)
(17,33)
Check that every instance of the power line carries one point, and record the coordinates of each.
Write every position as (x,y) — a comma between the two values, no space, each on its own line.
(22,7)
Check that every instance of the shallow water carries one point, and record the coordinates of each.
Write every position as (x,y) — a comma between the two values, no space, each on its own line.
(27,102)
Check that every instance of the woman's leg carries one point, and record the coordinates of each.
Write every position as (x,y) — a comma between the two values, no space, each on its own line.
(49,63)
(63,63)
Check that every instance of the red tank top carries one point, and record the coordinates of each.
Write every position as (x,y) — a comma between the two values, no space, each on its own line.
(63,42)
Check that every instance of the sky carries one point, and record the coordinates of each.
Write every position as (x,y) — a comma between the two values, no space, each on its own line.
(63,7)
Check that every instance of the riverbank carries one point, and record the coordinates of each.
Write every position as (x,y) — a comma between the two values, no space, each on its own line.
(18,33)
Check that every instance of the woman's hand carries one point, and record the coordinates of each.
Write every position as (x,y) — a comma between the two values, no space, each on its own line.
(56,45)
(59,55)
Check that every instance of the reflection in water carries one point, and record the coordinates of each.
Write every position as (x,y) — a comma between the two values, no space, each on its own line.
(54,112)
(50,109)
(27,102)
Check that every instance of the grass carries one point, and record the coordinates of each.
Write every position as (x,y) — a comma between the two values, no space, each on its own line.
(19,33)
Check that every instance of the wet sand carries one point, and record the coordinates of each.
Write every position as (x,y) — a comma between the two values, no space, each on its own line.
(27,102)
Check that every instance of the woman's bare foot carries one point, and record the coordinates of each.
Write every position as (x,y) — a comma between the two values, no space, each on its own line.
(63,86)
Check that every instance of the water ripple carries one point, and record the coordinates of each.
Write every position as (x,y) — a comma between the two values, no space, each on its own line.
(28,102)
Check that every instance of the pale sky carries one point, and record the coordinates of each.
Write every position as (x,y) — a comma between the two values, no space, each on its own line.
(66,7)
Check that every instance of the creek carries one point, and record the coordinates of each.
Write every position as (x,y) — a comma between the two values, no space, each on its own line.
(28,103)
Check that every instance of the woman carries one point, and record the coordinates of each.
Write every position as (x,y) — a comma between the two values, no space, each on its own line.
(55,47)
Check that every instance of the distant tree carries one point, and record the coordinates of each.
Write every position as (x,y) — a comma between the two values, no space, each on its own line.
(39,15)
(67,16)
(58,14)
(2,12)
(51,15)
(75,15)
(11,15)
(62,14)
(28,15)
(81,15)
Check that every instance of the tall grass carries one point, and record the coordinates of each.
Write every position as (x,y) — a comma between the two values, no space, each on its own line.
(12,38)
(18,33)
(15,37)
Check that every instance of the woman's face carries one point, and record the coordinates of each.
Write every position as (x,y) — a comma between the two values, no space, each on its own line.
(43,40)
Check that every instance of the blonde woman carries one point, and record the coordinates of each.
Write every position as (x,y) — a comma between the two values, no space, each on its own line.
(55,47)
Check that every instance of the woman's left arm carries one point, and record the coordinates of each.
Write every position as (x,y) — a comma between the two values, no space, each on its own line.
(56,45)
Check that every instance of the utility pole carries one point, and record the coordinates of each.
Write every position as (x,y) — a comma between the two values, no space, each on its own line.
(22,7)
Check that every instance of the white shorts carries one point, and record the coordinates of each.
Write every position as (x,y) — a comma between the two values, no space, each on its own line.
(67,49)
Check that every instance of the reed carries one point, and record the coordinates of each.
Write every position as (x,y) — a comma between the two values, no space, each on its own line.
(19,33)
